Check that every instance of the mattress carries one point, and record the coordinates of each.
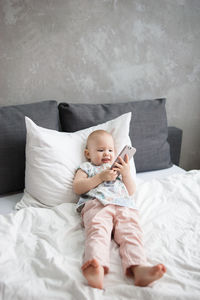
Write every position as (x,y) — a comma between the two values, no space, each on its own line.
(7,203)
(160,173)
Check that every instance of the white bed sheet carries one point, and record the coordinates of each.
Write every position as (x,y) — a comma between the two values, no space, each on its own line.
(41,249)
(7,203)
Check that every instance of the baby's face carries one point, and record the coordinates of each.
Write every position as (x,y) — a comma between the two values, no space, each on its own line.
(101,150)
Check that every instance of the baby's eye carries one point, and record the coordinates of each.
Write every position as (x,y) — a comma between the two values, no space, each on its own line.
(100,150)
(110,150)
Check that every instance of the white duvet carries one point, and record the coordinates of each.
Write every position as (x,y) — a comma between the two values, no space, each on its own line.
(41,249)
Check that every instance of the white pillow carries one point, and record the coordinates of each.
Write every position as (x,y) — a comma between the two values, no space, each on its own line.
(53,157)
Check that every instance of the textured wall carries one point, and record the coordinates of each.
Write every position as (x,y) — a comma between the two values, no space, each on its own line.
(105,51)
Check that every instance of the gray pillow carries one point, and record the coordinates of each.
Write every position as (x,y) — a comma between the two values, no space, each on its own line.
(13,139)
(148,129)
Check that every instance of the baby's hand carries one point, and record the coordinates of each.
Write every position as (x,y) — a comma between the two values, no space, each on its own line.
(108,175)
(123,167)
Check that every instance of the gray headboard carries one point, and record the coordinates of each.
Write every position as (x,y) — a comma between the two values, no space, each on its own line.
(175,140)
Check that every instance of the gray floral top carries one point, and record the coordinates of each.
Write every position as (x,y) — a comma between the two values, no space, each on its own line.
(113,192)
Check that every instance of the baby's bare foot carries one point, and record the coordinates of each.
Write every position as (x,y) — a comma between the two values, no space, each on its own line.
(144,275)
(94,273)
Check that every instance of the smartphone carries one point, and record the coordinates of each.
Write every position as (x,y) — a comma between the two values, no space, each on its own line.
(130,151)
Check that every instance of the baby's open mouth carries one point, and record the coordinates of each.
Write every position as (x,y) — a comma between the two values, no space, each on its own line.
(105,160)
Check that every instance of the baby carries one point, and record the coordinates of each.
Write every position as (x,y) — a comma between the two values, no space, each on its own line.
(107,209)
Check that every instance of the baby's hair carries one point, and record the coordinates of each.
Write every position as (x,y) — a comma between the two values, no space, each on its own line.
(96,133)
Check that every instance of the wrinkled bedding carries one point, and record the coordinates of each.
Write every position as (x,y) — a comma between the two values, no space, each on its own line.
(41,249)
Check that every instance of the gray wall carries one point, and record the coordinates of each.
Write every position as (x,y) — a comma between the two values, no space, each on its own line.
(105,51)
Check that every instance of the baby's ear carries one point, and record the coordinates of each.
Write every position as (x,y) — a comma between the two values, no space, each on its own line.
(87,154)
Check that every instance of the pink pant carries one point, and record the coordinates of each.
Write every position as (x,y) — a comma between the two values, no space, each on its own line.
(99,222)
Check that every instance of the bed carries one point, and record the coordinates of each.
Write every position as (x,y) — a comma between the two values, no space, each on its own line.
(41,236)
